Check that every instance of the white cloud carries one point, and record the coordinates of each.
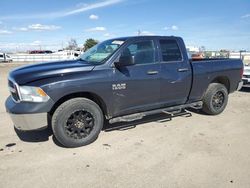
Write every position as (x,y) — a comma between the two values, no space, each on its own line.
(97,29)
(146,33)
(79,5)
(21,28)
(36,42)
(4,32)
(59,14)
(87,7)
(246,16)
(173,27)
(40,27)
(93,17)
(107,35)
(37,27)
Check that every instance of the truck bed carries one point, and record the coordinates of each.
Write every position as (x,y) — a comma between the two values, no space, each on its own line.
(206,71)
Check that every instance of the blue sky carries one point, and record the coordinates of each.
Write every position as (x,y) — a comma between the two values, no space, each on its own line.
(29,24)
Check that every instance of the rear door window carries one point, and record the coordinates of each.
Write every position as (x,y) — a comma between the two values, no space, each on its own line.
(170,50)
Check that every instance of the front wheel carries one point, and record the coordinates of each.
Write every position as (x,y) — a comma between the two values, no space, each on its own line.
(215,99)
(77,122)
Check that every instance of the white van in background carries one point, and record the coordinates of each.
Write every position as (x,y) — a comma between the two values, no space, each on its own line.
(246,76)
(5,58)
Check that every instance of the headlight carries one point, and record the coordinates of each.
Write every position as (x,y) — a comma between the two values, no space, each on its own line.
(33,94)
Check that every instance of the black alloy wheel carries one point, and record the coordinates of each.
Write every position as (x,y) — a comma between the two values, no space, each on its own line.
(79,124)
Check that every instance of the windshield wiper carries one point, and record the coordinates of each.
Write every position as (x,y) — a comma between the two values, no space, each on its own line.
(83,60)
(89,62)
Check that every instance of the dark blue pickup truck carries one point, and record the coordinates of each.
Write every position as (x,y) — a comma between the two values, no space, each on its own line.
(122,79)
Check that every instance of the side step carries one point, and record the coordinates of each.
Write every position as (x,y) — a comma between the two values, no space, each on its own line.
(170,111)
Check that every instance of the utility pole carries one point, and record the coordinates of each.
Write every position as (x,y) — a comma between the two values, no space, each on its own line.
(139,32)
(241,51)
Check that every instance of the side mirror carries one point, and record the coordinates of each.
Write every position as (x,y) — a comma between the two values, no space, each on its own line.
(124,60)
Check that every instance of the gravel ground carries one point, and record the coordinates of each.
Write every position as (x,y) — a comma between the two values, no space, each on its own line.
(198,151)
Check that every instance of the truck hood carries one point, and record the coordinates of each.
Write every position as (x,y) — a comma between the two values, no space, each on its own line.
(40,71)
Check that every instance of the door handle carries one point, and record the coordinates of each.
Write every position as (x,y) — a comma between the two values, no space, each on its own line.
(152,72)
(183,70)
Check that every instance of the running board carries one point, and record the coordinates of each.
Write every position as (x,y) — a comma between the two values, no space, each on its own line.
(170,111)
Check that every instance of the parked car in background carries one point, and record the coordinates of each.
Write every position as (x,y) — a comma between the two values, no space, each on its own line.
(198,56)
(5,58)
(40,52)
(246,76)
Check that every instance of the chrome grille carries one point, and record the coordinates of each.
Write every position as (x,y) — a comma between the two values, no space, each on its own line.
(246,76)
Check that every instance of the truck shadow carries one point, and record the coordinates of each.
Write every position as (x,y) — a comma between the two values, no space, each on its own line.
(43,135)
(159,118)
(37,136)
(34,136)
(197,111)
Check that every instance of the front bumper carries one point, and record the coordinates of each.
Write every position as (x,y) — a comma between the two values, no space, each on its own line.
(26,122)
(27,115)
(246,82)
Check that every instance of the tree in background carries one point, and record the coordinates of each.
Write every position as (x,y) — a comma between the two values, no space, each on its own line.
(89,43)
(208,54)
(72,44)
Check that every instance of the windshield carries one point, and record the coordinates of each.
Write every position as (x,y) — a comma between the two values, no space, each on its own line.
(101,51)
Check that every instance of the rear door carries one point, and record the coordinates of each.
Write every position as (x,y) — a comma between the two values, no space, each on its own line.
(176,73)
(137,87)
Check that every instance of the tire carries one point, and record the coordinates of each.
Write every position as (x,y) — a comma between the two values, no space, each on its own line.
(215,99)
(77,122)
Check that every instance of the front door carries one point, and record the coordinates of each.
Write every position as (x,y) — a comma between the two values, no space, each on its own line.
(137,87)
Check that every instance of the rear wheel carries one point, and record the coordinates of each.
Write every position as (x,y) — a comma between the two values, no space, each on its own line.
(215,99)
(77,122)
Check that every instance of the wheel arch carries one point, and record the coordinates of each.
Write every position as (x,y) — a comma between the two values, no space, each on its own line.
(222,80)
(89,95)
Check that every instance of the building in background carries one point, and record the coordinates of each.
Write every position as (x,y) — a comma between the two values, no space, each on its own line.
(193,49)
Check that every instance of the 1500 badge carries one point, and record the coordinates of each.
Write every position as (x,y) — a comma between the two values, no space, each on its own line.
(119,86)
